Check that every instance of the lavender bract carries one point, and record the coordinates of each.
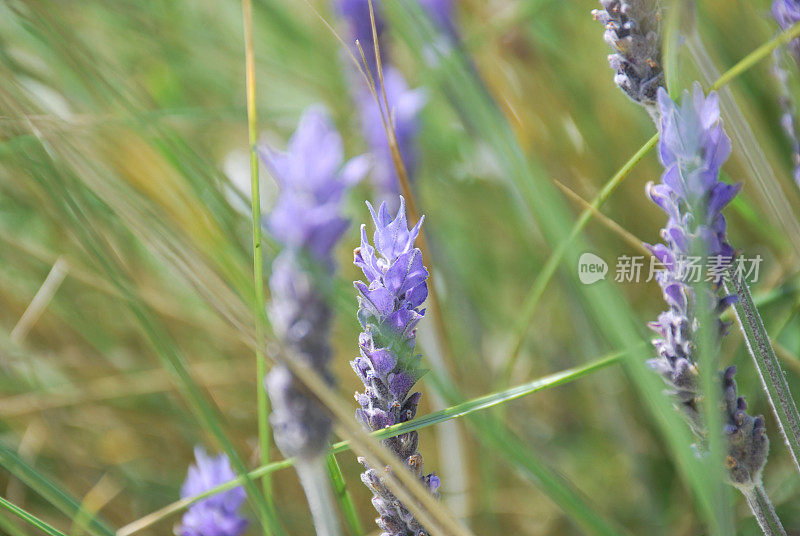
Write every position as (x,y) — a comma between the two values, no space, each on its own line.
(217,515)
(633,29)
(692,148)
(390,307)
(307,221)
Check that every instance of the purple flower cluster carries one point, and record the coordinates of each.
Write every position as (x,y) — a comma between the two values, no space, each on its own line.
(390,307)
(633,29)
(692,148)
(217,515)
(307,221)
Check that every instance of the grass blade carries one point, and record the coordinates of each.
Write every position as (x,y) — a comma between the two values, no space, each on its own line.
(30,518)
(50,491)
(259,305)
(346,504)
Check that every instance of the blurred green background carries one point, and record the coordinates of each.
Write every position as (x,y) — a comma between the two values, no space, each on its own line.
(123,135)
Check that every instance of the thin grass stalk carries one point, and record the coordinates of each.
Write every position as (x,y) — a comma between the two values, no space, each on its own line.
(259,299)
(431,419)
(554,260)
(761,506)
(30,518)
(51,492)
(343,497)
(773,379)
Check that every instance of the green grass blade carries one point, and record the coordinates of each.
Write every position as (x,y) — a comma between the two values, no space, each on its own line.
(30,518)
(346,504)
(50,491)
(259,299)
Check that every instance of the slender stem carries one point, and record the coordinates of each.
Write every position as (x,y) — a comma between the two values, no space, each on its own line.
(346,504)
(30,518)
(769,368)
(259,300)
(314,478)
(762,508)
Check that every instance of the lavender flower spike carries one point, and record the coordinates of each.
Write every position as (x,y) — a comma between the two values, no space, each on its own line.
(217,515)
(633,29)
(692,148)
(390,307)
(307,221)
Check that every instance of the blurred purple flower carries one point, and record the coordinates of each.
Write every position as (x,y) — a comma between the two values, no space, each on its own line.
(633,29)
(692,149)
(217,515)
(787,14)
(405,105)
(307,221)
(312,178)
(389,311)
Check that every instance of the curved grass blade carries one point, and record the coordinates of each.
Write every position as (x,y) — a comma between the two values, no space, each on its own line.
(459,410)
(30,518)
(50,491)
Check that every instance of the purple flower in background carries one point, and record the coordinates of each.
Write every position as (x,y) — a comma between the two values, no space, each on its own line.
(405,105)
(356,13)
(692,148)
(307,221)
(390,307)
(787,14)
(633,29)
(217,515)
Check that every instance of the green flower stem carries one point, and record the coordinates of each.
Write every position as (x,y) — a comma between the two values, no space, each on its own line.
(762,508)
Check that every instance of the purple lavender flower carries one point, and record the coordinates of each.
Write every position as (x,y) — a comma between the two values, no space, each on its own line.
(217,515)
(633,29)
(405,105)
(308,222)
(390,307)
(692,148)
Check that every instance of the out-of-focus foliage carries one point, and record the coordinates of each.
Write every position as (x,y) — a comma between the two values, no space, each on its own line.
(123,131)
